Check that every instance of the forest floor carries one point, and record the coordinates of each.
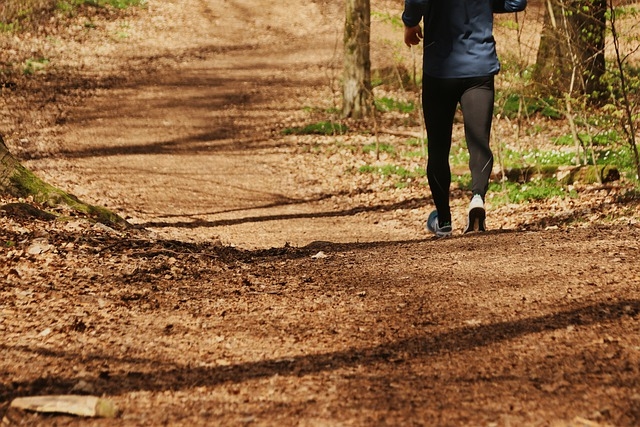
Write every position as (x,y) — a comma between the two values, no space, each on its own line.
(266,280)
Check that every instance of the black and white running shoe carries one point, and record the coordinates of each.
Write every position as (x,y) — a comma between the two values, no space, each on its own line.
(434,226)
(477,215)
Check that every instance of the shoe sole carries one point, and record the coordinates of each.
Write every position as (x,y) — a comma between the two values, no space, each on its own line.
(476,220)
(439,233)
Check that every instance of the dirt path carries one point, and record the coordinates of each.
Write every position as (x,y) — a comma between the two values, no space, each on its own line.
(363,320)
(195,152)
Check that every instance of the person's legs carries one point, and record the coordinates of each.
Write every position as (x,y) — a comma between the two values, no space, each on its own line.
(477,107)
(439,100)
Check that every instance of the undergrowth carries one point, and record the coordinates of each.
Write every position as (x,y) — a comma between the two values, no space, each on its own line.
(16,15)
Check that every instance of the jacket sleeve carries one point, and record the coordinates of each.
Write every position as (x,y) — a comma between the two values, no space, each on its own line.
(414,11)
(507,6)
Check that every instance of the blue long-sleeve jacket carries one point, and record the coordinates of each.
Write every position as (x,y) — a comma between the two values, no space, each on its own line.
(458,34)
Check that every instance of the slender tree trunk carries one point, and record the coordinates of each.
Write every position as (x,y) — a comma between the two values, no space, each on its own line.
(589,24)
(357,98)
(572,39)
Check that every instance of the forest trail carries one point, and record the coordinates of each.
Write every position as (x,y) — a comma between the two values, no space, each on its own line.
(194,151)
(173,117)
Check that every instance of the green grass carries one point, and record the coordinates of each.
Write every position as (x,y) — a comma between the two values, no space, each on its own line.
(536,189)
(413,154)
(19,15)
(603,139)
(399,174)
(463,181)
(331,111)
(33,65)
(546,161)
(69,5)
(382,148)
(511,158)
(415,142)
(459,155)
(389,170)
(512,192)
(619,156)
(386,105)
(394,19)
(320,128)
(509,105)
(622,158)
(8,27)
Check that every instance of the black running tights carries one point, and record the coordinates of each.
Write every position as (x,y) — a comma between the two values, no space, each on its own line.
(440,98)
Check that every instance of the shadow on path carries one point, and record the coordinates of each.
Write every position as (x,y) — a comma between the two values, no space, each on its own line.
(405,204)
(169,376)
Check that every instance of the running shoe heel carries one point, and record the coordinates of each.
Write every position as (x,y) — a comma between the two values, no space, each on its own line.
(477,215)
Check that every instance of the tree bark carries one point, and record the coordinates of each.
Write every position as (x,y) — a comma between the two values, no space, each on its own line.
(572,42)
(17,181)
(357,97)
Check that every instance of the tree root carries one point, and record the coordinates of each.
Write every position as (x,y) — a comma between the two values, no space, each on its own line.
(19,182)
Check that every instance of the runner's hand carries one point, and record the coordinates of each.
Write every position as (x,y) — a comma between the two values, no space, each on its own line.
(412,35)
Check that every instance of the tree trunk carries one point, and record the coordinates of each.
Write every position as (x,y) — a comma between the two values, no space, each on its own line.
(17,181)
(572,42)
(357,98)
